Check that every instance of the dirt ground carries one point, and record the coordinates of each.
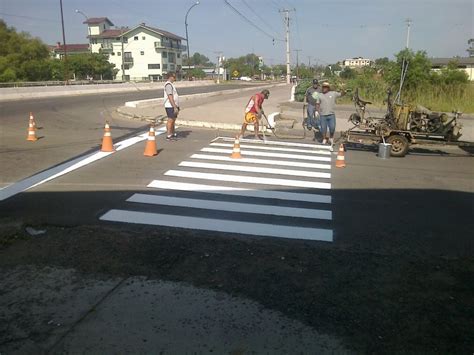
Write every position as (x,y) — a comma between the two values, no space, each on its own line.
(376,303)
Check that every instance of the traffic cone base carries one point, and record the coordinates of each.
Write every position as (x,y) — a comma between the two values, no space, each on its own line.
(236,150)
(340,160)
(150,147)
(107,142)
(31,134)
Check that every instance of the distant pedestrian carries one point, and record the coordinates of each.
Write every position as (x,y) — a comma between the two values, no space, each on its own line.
(254,112)
(311,98)
(171,103)
(325,107)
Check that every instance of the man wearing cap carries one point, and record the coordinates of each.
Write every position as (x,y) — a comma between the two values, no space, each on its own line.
(254,111)
(325,107)
(311,97)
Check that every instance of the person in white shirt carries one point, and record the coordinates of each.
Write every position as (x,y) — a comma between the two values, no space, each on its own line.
(171,103)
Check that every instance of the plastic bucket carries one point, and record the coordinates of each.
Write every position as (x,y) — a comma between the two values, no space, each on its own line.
(384,150)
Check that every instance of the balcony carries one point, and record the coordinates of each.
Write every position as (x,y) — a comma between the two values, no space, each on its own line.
(106,48)
(169,45)
(128,60)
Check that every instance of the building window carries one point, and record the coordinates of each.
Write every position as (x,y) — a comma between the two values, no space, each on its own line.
(125,40)
(112,53)
(153,66)
(164,54)
(165,66)
(143,37)
(178,55)
(172,67)
(142,52)
(171,57)
(135,38)
(119,53)
(126,66)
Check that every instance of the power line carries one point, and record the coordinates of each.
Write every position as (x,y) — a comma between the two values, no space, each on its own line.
(250,22)
(28,17)
(258,15)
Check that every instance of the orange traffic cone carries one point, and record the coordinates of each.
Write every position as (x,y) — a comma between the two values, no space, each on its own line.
(107,143)
(340,162)
(236,149)
(150,147)
(32,121)
(31,132)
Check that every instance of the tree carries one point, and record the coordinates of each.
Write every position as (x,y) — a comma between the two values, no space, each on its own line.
(22,57)
(198,60)
(247,65)
(348,73)
(197,73)
(417,66)
(451,75)
(93,65)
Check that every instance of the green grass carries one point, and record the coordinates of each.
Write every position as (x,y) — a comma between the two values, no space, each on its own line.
(437,98)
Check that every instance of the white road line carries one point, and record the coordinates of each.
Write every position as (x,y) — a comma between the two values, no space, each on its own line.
(263,161)
(240,191)
(231,206)
(255,169)
(250,179)
(269,155)
(249,228)
(67,167)
(288,144)
(274,149)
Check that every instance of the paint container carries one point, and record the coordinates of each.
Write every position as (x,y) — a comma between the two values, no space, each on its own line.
(384,150)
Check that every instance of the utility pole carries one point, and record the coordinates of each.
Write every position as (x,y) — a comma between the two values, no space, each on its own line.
(287,40)
(297,63)
(66,69)
(408,21)
(219,54)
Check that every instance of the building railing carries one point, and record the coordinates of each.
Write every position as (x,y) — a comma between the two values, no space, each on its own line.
(162,44)
(128,60)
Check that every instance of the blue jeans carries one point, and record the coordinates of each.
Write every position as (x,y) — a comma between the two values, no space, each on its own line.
(312,121)
(328,121)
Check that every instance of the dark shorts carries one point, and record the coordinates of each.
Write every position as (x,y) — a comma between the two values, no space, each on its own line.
(170,113)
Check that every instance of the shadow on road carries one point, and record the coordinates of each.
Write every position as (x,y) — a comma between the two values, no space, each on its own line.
(397,278)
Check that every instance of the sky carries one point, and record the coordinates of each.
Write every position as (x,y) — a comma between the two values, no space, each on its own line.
(325,31)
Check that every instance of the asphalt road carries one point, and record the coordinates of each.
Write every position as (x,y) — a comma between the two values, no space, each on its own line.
(396,277)
(420,201)
(69,126)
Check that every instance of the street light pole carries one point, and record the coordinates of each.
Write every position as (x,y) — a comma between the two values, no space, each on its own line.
(186,25)
(88,28)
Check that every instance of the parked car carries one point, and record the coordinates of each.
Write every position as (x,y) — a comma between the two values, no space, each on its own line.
(245,78)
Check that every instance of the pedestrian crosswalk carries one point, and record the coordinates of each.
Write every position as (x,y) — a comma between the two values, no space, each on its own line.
(278,189)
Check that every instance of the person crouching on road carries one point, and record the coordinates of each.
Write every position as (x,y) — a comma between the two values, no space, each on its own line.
(171,103)
(311,98)
(325,107)
(254,112)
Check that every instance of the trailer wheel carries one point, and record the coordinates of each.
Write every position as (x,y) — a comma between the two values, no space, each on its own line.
(399,144)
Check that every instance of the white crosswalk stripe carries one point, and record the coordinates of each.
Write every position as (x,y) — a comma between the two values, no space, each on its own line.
(240,191)
(270,155)
(274,149)
(204,195)
(285,163)
(253,169)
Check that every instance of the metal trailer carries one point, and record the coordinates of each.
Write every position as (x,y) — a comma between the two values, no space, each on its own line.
(402,126)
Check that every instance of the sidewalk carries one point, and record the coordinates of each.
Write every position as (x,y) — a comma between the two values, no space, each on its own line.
(220,110)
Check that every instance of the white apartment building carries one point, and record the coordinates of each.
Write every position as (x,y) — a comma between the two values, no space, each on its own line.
(144,52)
(357,62)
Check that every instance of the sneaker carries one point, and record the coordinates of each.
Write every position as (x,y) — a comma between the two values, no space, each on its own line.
(175,135)
(170,138)
(325,141)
